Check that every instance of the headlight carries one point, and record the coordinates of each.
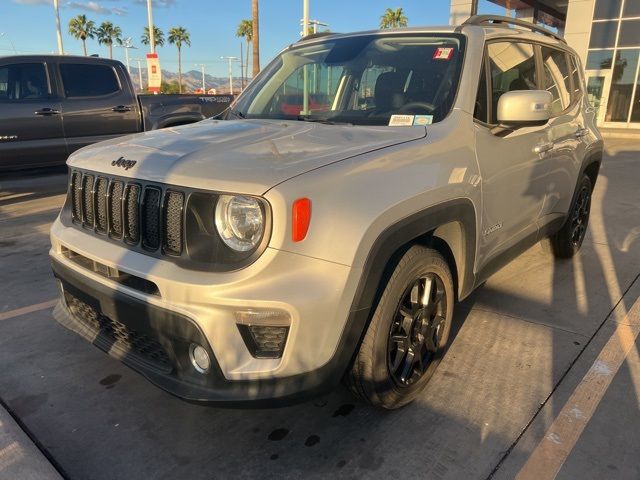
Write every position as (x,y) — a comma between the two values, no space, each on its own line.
(240,222)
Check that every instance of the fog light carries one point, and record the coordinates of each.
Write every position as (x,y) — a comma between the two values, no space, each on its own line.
(199,358)
(264,331)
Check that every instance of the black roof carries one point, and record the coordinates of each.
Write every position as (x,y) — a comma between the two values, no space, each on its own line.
(53,58)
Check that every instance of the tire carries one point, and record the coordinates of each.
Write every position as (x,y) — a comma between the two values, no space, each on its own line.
(568,240)
(383,373)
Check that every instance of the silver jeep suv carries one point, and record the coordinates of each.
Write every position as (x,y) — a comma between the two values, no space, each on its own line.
(359,187)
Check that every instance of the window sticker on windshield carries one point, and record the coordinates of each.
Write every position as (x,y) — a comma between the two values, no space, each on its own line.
(401,120)
(423,119)
(443,53)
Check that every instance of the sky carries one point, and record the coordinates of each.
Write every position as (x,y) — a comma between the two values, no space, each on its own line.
(29,25)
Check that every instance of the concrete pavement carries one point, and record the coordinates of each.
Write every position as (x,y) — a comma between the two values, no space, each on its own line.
(522,347)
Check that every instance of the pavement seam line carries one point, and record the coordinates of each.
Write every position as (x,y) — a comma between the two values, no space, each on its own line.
(557,385)
(28,309)
(560,438)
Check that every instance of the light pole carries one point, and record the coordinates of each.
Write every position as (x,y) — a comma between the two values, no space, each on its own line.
(204,87)
(13,47)
(127,44)
(305,73)
(140,73)
(58,31)
(152,38)
(230,59)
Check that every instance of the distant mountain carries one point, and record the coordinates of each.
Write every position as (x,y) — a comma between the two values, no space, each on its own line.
(191,80)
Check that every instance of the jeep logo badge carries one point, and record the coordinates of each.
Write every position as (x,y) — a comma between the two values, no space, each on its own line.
(124,163)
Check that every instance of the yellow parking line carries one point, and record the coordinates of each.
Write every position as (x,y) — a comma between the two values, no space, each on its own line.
(30,309)
(550,454)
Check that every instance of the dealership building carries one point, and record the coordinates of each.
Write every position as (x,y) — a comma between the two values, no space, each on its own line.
(606,36)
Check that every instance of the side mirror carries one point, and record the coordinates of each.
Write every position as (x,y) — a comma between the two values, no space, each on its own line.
(521,108)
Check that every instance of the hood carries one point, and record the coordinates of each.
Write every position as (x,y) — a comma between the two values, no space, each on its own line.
(239,156)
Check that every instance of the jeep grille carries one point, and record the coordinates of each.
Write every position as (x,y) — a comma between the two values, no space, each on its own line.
(150,216)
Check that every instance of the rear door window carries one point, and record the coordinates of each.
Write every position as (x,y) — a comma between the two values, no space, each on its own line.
(82,80)
(557,79)
(23,81)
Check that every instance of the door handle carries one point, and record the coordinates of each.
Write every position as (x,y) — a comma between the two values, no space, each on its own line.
(47,111)
(121,108)
(581,132)
(545,147)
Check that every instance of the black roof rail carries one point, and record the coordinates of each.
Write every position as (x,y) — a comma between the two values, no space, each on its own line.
(497,19)
(311,36)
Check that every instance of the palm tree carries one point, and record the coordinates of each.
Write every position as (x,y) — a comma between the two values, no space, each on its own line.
(158,36)
(81,28)
(107,32)
(255,37)
(393,18)
(245,30)
(177,37)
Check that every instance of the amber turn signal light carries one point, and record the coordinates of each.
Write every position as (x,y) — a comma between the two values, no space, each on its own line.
(300,219)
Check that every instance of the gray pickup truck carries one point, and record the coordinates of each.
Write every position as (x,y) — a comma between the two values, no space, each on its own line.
(52,105)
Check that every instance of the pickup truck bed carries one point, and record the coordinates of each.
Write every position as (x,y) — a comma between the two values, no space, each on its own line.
(52,105)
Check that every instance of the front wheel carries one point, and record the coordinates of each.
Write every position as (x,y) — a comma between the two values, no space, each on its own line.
(408,331)
(568,240)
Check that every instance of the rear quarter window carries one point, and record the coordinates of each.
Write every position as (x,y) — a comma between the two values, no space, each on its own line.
(80,80)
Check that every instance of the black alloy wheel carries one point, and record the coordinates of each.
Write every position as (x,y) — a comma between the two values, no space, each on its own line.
(580,216)
(416,330)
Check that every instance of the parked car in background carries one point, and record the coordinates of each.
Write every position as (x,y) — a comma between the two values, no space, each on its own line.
(52,105)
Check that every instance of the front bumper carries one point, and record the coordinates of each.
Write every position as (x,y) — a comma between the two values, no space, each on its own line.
(157,347)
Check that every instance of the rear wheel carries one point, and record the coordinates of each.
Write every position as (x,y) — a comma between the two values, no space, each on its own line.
(568,240)
(408,331)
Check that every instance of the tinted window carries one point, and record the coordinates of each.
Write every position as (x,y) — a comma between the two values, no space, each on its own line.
(23,81)
(512,67)
(480,110)
(629,33)
(556,78)
(603,35)
(631,8)
(599,59)
(88,80)
(622,80)
(607,9)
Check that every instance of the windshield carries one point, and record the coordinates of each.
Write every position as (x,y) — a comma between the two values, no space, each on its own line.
(362,80)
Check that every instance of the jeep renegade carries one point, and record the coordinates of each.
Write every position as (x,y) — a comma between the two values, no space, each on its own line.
(359,187)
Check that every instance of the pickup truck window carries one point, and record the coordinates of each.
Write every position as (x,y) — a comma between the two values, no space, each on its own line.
(23,81)
(362,80)
(84,80)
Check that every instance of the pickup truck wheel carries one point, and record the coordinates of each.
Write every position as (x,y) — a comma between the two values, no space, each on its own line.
(568,240)
(408,331)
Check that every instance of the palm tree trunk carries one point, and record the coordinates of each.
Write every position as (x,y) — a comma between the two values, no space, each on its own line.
(179,71)
(84,46)
(111,50)
(256,38)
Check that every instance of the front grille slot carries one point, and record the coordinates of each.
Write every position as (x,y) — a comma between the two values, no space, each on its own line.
(172,221)
(131,210)
(76,196)
(102,185)
(87,200)
(115,208)
(151,218)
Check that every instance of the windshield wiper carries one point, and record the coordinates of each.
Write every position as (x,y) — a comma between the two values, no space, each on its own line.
(325,121)
(237,113)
